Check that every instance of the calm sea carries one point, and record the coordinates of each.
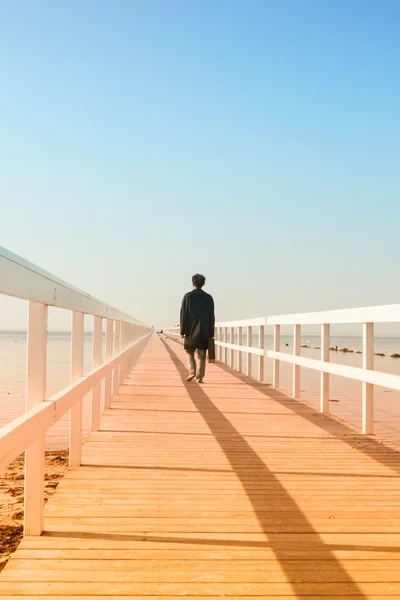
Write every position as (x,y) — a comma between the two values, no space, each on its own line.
(13,378)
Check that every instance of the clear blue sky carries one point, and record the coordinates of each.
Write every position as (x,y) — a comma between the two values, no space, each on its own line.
(255,141)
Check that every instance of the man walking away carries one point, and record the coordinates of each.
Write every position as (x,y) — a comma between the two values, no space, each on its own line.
(197,325)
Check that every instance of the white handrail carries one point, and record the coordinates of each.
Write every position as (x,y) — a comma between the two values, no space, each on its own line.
(19,434)
(366,316)
(389,313)
(125,338)
(243,323)
(22,279)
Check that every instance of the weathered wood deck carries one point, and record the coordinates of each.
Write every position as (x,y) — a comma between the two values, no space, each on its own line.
(225,489)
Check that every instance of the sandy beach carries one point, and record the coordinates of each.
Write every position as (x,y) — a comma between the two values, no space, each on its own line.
(12,498)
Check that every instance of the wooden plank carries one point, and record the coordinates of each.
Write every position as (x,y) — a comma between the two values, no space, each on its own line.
(212,554)
(171,565)
(116,588)
(196,597)
(228,576)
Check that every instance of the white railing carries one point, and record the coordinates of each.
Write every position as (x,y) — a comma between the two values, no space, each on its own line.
(223,343)
(366,374)
(126,338)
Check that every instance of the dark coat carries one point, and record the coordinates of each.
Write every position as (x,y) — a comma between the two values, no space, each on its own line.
(197,319)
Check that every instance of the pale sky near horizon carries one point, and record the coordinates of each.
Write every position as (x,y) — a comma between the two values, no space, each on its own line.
(257,142)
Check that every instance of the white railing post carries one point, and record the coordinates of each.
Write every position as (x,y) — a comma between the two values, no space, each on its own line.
(240,357)
(325,344)
(219,338)
(109,354)
(117,350)
(261,358)
(35,394)
(133,333)
(75,426)
(129,344)
(368,388)
(97,344)
(249,355)
(276,362)
(232,353)
(226,349)
(123,346)
(296,368)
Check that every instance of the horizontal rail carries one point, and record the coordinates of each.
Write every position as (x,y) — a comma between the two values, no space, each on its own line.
(379,378)
(245,349)
(125,336)
(227,332)
(243,323)
(371,314)
(22,279)
(17,436)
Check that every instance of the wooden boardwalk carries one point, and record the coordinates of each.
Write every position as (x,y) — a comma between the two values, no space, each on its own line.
(229,488)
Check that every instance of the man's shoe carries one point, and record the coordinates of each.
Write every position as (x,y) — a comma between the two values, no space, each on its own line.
(200,381)
(191,376)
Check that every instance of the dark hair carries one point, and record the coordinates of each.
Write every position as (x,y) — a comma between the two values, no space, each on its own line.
(198,280)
